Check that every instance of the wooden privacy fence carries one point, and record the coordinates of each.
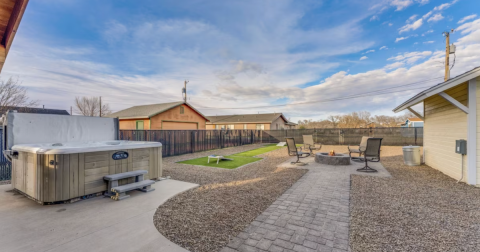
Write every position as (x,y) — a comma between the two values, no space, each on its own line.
(347,136)
(177,142)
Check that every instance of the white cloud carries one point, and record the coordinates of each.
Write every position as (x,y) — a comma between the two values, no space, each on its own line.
(444,6)
(427,15)
(436,17)
(411,57)
(429,42)
(422,2)
(410,19)
(416,43)
(427,32)
(390,24)
(463,20)
(394,65)
(370,51)
(401,4)
(363,58)
(473,31)
(401,38)
(384,48)
(413,26)
(374,17)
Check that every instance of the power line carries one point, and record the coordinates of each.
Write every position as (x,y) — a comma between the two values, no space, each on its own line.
(335,99)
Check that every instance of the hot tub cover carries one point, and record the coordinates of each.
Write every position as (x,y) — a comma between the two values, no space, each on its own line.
(82,147)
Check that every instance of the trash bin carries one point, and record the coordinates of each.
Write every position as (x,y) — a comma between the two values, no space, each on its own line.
(411,155)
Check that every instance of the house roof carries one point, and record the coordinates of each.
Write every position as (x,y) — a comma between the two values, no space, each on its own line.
(246,118)
(415,119)
(11,13)
(474,73)
(147,111)
(3,110)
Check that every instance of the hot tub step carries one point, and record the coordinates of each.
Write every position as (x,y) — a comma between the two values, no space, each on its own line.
(120,191)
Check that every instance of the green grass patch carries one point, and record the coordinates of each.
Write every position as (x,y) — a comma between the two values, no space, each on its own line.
(226,164)
(261,150)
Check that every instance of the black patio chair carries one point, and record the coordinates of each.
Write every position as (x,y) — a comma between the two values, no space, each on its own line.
(372,152)
(293,150)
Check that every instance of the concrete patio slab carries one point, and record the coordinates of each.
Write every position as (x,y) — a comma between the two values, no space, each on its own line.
(97,224)
(313,215)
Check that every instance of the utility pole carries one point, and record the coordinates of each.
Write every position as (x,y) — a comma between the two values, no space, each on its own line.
(71,110)
(447,53)
(100,106)
(184,91)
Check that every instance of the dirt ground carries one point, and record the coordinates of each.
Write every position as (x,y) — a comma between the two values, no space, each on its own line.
(227,201)
(417,209)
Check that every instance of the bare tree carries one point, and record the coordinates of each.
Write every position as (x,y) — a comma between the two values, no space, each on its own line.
(90,106)
(334,120)
(12,94)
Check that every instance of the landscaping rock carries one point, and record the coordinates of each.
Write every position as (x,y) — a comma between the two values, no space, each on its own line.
(227,201)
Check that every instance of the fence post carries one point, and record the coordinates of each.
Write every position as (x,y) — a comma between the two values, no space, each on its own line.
(415,135)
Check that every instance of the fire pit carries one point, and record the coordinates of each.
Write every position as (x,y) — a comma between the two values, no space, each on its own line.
(332,158)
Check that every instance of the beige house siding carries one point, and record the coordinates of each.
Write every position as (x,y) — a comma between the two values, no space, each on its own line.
(478,130)
(444,123)
(281,124)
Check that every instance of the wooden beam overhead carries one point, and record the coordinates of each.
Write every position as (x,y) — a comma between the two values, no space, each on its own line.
(14,15)
(454,102)
(415,113)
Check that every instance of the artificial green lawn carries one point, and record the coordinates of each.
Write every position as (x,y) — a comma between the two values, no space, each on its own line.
(261,150)
(239,159)
(236,162)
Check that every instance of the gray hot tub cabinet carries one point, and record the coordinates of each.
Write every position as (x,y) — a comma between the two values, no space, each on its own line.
(61,177)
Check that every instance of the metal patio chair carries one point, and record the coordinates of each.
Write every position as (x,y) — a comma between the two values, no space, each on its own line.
(361,148)
(372,152)
(309,144)
(293,150)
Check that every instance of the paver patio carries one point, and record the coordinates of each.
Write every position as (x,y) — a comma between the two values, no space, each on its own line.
(313,215)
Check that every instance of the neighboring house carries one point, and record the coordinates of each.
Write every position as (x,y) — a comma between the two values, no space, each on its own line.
(11,13)
(3,110)
(412,122)
(450,112)
(166,116)
(273,121)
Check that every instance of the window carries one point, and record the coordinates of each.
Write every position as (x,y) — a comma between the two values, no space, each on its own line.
(260,126)
(182,110)
(219,126)
(231,126)
(245,126)
(139,125)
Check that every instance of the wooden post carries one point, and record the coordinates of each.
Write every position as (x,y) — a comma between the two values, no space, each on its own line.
(447,56)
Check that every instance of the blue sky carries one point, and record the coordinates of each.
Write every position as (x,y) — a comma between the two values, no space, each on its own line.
(241,56)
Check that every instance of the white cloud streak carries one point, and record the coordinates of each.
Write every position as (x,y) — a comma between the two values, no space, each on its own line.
(463,20)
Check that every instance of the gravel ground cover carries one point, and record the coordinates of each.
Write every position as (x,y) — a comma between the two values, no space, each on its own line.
(227,201)
(418,209)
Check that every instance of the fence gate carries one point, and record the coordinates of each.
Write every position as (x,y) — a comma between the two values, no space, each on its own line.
(5,165)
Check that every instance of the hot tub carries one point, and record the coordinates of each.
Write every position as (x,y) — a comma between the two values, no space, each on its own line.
(62,170)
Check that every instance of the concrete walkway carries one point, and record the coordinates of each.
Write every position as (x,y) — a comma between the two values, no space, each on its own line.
(313,215)
(97,224)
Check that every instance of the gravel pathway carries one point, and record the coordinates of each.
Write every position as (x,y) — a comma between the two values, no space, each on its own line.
(227,201)
(313,215)
(418,209)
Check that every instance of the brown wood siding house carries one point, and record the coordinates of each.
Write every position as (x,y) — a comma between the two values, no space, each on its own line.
(271,121)
(163,116)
